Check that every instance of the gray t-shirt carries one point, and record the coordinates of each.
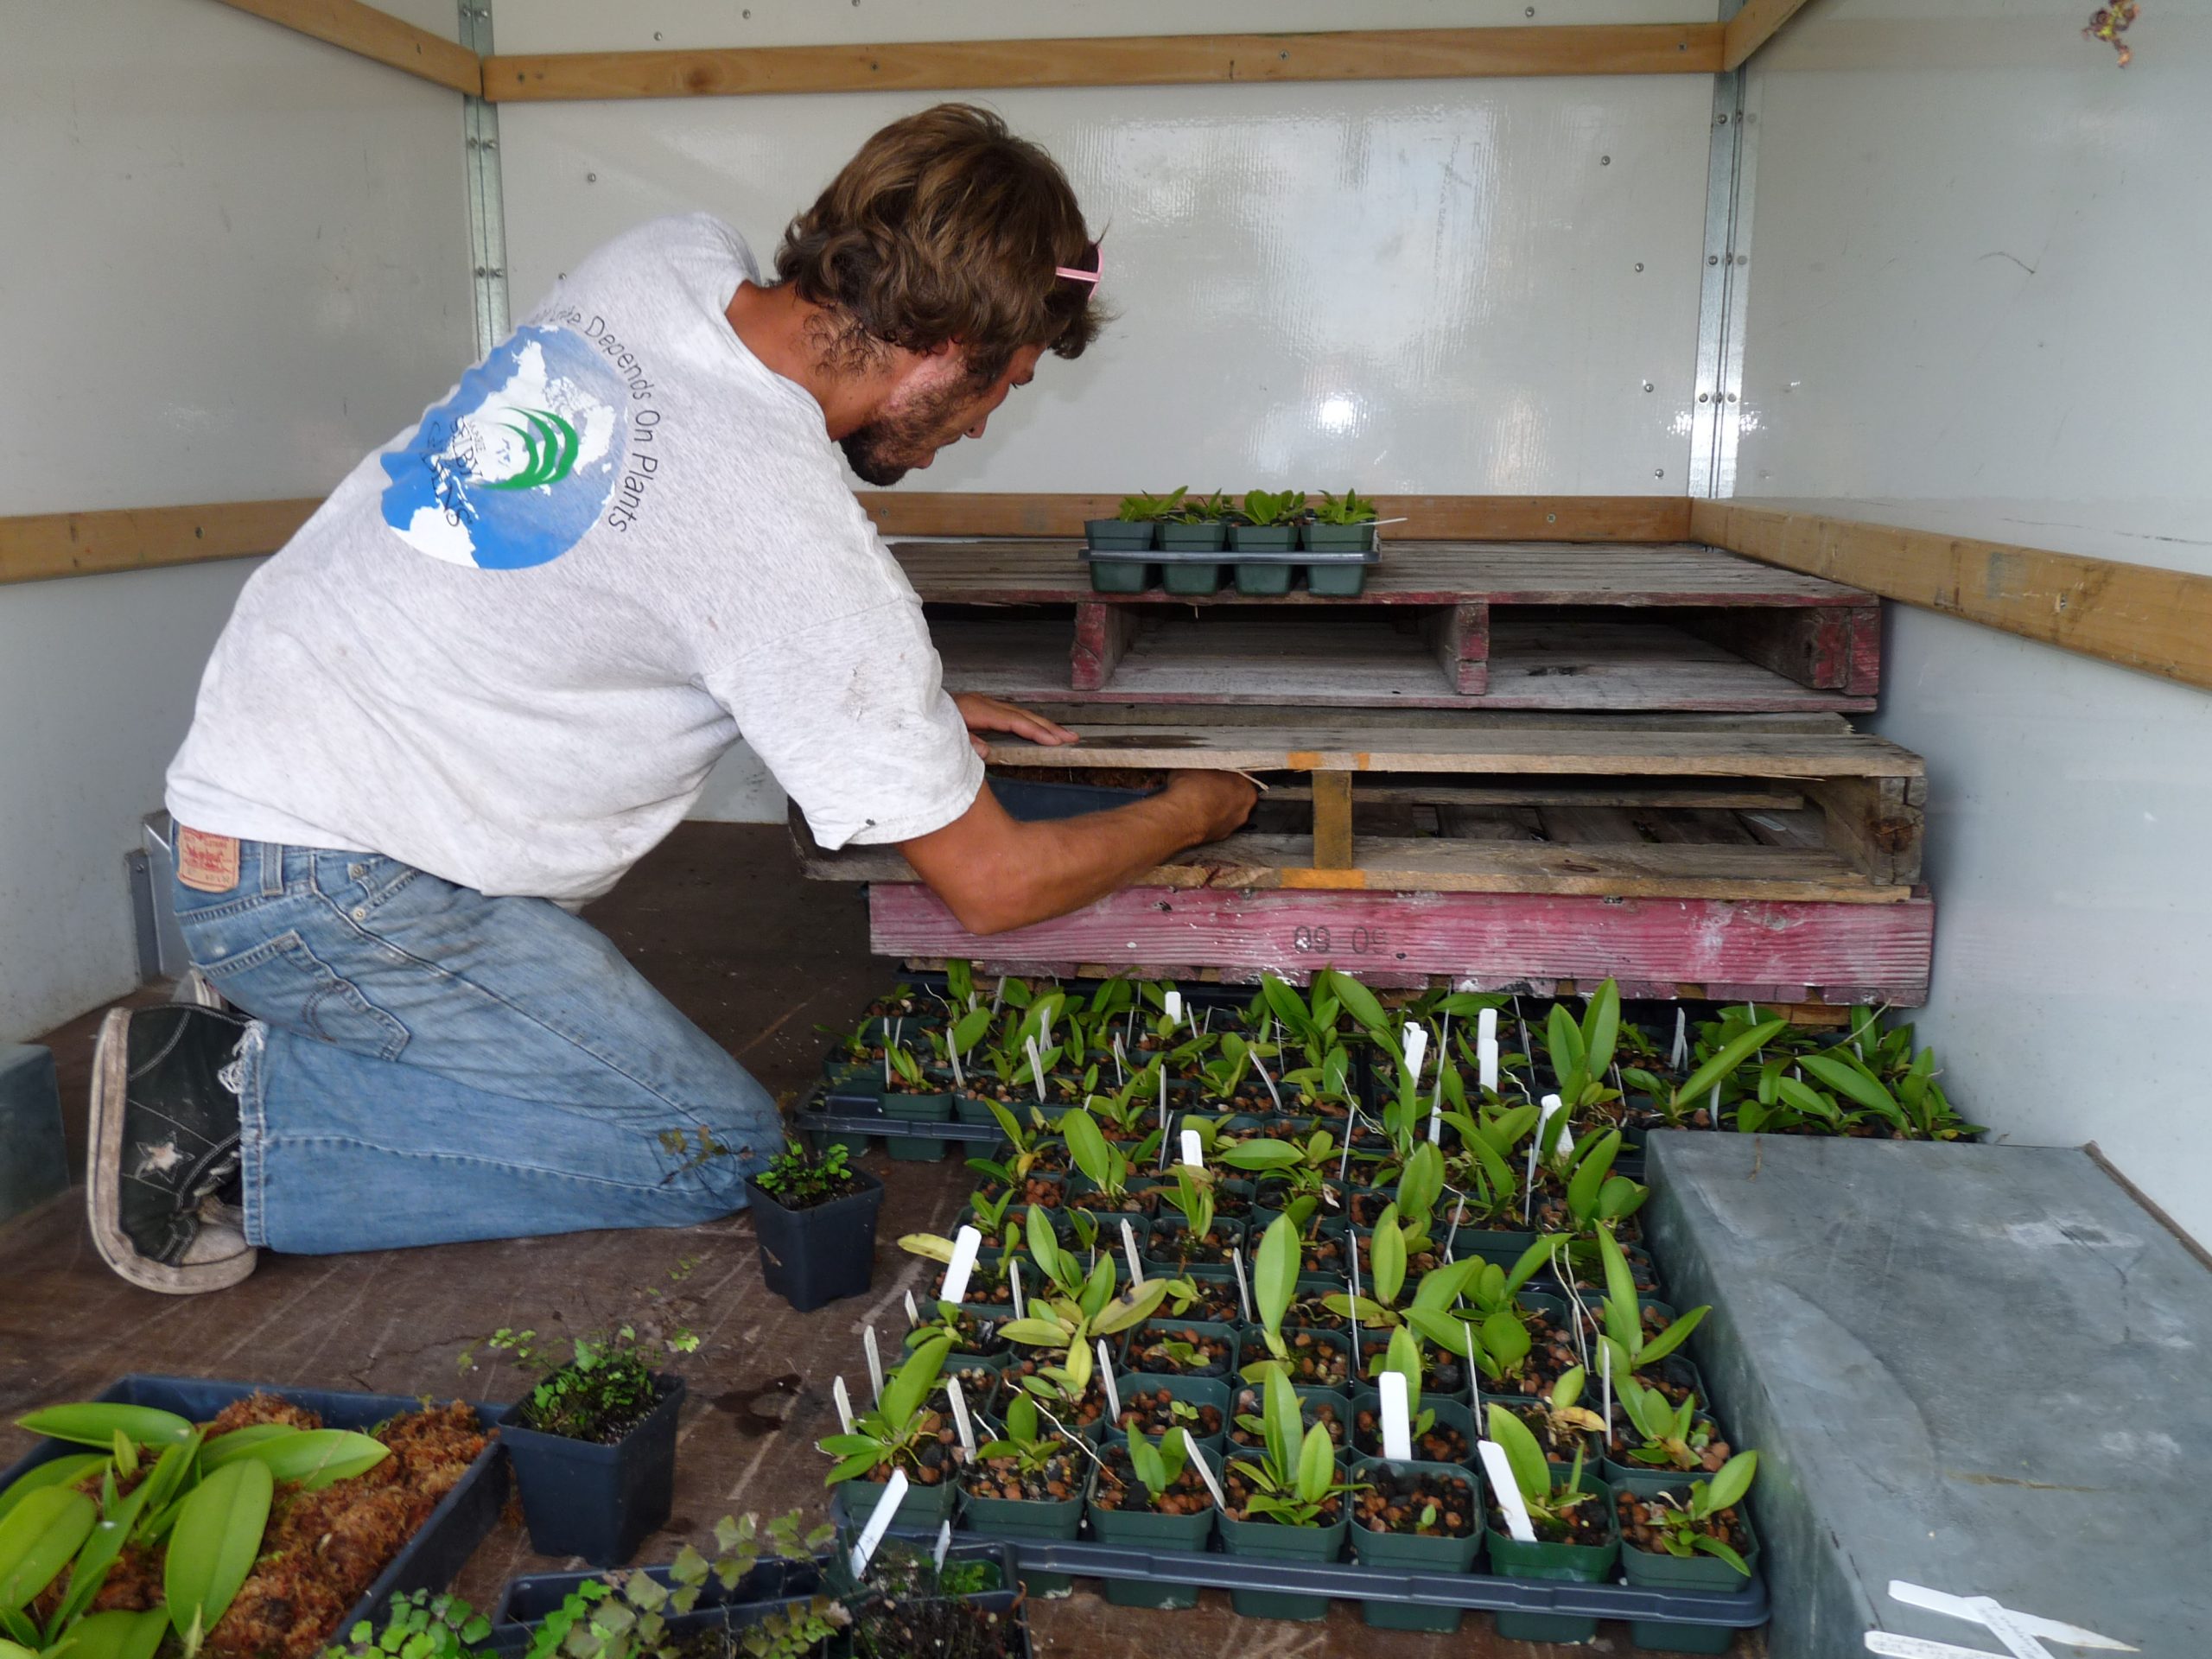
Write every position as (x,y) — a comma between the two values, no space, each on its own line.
(509,647)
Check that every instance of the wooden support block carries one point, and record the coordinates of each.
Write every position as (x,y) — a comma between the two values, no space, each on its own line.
(1810,644)
(1864,676)
(1333,820)
(1771,952)
(1103,633)
(1460,638)
(1877,822)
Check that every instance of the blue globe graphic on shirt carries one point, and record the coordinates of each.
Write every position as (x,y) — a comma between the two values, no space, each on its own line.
(511,469)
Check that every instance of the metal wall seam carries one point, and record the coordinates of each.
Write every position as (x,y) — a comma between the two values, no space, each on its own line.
(488,219)
(1730,178)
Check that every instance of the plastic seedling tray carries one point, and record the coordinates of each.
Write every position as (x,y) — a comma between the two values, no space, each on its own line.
(441,1547)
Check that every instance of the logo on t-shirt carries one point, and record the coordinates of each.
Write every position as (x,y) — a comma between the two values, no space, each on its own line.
(513,468)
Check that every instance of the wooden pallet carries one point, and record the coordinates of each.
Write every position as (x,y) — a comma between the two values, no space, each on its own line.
(1442,625)
(1496,846)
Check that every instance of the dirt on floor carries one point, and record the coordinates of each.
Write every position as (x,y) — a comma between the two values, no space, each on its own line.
(719,919)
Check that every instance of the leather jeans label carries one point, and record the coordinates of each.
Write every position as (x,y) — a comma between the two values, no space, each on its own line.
(206,863)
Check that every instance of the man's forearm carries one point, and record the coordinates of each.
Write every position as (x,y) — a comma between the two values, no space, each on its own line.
(1050,869)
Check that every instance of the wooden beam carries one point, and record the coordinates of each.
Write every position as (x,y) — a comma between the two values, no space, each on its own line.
(1333,821)
(1752,27)
(44,545)
(1129,61)
(1429,517)
(372,34)
(2156,621)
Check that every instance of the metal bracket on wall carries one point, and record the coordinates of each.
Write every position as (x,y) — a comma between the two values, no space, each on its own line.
(487,216)
(1729,188)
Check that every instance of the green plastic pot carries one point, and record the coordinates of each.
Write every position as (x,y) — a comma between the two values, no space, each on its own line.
(1199,1390)
(1058,1521)
(1269,1541)
(922,1507)
(1263,578)
(1125,1355)
(915,1109)
(968,1108)
(1185,1534)
(1117,534)
(1191,581)
(1497,1245)
(1199,536)
(1170,1226)
(1707,1573)
(1113,576)
(1412,1554)
(1557,1563)
(1450,1412)
(1309,1396)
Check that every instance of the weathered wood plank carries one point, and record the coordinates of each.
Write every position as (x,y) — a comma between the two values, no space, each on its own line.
(1781,952)
(1333,847)
(1459,637)
(1875,823)
(1718,798)
(2156,621)
(1809,644)
(373,33)
(1752,27)
(41,546)
(1126,60)
(1103,633)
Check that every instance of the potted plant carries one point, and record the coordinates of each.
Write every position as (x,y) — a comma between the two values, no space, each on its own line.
(911,1095)
(1068,1312)
(1270,524)
(1570,1512)
(1654,1435)
(1693,1537)
(899,1432)
(594,1442)
(1149,1496)
(1026,1483)
(1154,1405)
(1563,1425)
(1117,546)
(1197,527)
(1289,1503)
(1189,1235)
(814,1219)
(1417,1517)
(1339,526)
(1442,1428)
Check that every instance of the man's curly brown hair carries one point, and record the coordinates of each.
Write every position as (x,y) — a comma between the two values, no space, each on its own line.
(946,227)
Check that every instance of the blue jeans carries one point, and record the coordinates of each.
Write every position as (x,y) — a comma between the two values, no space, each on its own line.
(439,1065)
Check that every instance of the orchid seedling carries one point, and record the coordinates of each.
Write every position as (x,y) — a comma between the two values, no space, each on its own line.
(1071,1310)
(1295,1480)
(1674,1436)
(1623,1323)
(1551,1500)
(1678,1520)
(1101,1161)
(891,1433)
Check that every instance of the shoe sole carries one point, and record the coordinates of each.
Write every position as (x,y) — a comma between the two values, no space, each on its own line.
(195,989)
(103,1187)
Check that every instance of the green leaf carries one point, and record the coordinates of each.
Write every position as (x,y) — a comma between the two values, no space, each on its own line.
(1317,1465)
(117,1635)
(1441,1288)
(1568,1389)
(1726,1488)
(1274,1273)
(1260,1155)
(1387,1257)
(1590,1164)
(170,1471)
(1278,1408)
(1563,1042)
(1601,1028)
(54,1471)
(38,1537)
(1620,1280)
(1848,1079)
(1532,1258)
(852,1468)
(911,1383)
(1357,1000)
(1724,1064)
(97,1422)
(216,1535)
(1033,1332)
(1447,1333)
(1134,1307)
(1044,1243)
(845,1445)
(316,1457)
(1522,1454)
(1671,1338)
(1726,1551)
(1505,1339)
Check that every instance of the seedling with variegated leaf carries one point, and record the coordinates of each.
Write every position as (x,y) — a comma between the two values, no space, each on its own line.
(892,1433)
(1071,1310)
(1674,1435)
(1622,1324)
(1551,1500)
(1566,1419)
(1294,1481)
(1679,1521)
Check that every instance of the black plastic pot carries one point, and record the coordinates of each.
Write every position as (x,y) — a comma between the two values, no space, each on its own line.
(1416,1555)
(582,1497)
(816,1255)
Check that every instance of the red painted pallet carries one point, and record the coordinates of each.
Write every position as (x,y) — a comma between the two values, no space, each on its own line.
(1441,625)
(1768,951)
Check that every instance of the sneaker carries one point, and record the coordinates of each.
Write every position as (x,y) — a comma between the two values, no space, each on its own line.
(195,990)
(164,1181)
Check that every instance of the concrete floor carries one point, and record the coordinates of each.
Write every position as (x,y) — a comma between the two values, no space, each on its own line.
(719,919)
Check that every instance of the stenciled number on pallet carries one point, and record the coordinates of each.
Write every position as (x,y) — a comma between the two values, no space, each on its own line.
(1360,941)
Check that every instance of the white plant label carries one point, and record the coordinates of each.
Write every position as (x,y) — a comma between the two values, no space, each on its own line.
(1243,1289)
(1397,1418)
(1507,1492)
(1194,1154)
(874,1361)
(965,1243)
(1261,1066)
(913,1314)
(1199,1463)
(1486,1062)
(1416,1039)
(1486,1025)
(1129,1248)
(998,996)
(961,1424)
(1036,1064)
(844,1402)
(1552,1106)
(1679,1056)
(1014,1285)
(1528,1181)
(894,1494)
(1120,1076)
(1106,1382)
(1173,1003)
(943,1544)
(1918,1647)
(2001,1624)
(1436,1117)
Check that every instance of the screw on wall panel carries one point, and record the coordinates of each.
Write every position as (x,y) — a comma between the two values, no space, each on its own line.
(1658,472)
(1605,160)
(656,34)
(1732,396)
(1551,517)
(1647,386)
(591,178)
(1712,258)
(1743,258)
(1528,11)
(1639,264)
(1705,396)
(1720,120)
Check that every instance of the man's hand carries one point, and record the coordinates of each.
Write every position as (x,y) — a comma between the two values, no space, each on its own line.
(1216,801)
(983,714)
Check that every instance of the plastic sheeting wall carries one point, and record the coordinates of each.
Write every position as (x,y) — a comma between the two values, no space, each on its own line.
(1975,305)
(236,260)
(1470,286)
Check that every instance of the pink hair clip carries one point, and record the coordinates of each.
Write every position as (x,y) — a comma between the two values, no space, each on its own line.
(1097,267)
